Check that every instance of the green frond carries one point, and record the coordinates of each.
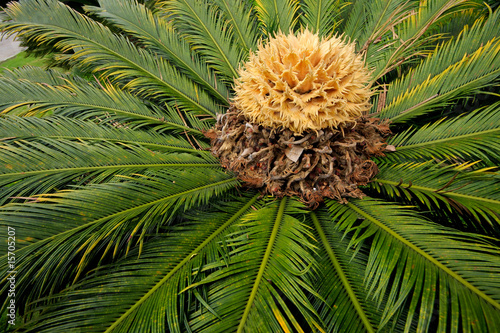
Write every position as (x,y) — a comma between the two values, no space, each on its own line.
(269,263)
(453,23)
(476,193)
(460,80)
(50,76)
(104,219)
(406,36)
(149,275)
(353,18)
(204,26)
(28,167)
(456,69)
(243,22)
(104,104)
(407,262)
(469,138)
(277,15)
(340,291)
(112,56)
(321,16)
(62,128)
(370,20)
(159,37)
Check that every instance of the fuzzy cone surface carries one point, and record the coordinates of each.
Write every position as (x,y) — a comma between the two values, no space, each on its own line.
(302,83)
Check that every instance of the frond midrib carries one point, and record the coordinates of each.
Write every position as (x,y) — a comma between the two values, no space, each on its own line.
(427,256)
(429,189)
(341,274)
(265,260)
(108,167)
(452,138)
(184,261)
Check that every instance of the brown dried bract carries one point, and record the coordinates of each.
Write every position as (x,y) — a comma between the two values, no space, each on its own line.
(328,163)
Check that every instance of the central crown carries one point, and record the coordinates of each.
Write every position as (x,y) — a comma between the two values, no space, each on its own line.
(303,83)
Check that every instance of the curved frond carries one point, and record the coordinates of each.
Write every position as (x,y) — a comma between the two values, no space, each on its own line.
(50,76)
(321,16)
(405,37)
(370,20)
(159,37)
(104,104)
(454,70)
(28,168)
(103,219)
(277,15)
(62,128)
(470,137)
(243,22)
(452,187)
(204,26)
(353,18)
(155,272)
(341,292)
(112,56)
(270,265)
(407,262)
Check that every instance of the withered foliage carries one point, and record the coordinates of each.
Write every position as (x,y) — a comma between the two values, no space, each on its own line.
(328,163)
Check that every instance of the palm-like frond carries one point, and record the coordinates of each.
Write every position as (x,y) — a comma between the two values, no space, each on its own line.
(30,168)
(177,250)
(469,75)
(203,26)
(270,251)
(96,48)
(158,36)
(321,16)
(104,104)
(243,22)
(468,138)
(277,15)
(407,259)
(38,129)
(475,192)
(106,219)
(376,19)
(455,69)
(50,76)
(407,38)
(340,292)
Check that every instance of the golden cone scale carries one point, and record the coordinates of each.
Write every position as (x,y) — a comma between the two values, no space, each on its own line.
(303,83)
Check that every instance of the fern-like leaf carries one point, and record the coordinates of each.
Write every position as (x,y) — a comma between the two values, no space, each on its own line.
(468,138)
(157,35)
(407,259)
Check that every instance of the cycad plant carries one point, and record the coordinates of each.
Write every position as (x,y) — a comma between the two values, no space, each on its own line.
(252,166)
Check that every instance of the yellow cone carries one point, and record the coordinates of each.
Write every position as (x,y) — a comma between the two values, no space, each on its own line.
(303,83)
